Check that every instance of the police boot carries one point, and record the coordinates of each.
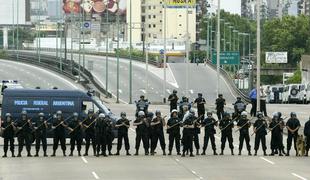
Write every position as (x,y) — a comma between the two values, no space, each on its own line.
(249,153)
(255,154)
(37,154)
(288,153)
(265,154)
(152,153)
(146,152)
(280,153)
(71,153)
(110,154)
(203,152)
(272,153)
(178,153)
(183,155)
(104,154)
(19,154)
(307,151)
(164,152)
(29,154)
(13,155)
(215,153)
(127,153)
(117,153)
(222,152)
(64,153)
(4,156)
(169,154)
(137,152)
(232,152)
(54,154)
(239,152)
(283,152)
(276,151)
(44,154)
(197,152)
(191,154)
(79,153)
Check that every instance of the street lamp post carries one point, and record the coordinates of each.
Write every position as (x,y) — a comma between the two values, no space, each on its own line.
(226,23)
(258,54)
(165,50)
(107,57)
(117,56)
(187,50)
(231,28)
(218,47)
(130,50)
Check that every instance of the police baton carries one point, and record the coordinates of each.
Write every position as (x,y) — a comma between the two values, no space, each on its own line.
(91,123)
(23,125)
(247,123)
(259,128)
(63,121)
(232,121)
(80,124)
(271,129)
(43,123)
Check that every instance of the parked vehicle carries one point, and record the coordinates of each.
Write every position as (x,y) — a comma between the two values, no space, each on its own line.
(8,84)
(276,93)
(294,93)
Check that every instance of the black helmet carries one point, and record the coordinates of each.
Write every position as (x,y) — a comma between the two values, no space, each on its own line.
(199,94)
(220,95)
(123,114)
(209,113)
(238,98)
(280,114)
(259,114)
(293,114)
(175,91)
(142,96)
(157,112)
(90,111)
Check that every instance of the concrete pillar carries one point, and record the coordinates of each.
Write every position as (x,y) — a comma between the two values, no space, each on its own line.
(5,37)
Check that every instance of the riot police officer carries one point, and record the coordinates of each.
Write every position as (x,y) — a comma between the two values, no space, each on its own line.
(76,134)
(8,128)
(142,133)
(173,98)
(173,129)
(59,127)
(259,129)
(40,133)
(226,125)
(209,124)
(101,134)
(157,127)
(243,125)
(276,127)
(89,125)
(239,107)
(142,105)
(307,135)
(196,130)
(122,125)
(24,134)
(220,102)
(110,136)
(188,126)
(292,126)
(200,105)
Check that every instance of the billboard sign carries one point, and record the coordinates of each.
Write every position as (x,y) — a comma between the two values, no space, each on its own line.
(276,57)
(180,3)
(94,6)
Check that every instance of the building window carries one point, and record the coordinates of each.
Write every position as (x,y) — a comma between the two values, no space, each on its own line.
(150,16)
(154,36)
(149,35)
(180,15)
(160,12)
(160,21)
(150,7)
(180,24)
(154,7)
(150,25)
(160,30)
(154,16)
(154,25)
(180,34)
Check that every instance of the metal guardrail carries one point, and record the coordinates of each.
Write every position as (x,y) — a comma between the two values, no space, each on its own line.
(228,79)
(69,69)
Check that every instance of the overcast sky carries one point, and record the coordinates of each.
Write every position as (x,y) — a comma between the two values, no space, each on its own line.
(233,6)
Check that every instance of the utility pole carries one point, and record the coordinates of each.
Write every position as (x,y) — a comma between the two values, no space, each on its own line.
(187,50)
(218,47)
(130,51)
(107,57)
(258,54)
(117,56)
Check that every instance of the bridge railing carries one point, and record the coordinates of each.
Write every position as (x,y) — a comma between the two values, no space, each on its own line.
(65,67)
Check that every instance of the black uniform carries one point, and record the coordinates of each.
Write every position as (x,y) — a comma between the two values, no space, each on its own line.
(8,136)
(142,133)
(76,136)
(188,135)
(260,135)
(59,136)
(90,134)
(122,134)
(109,136)
(173,98)
(201,106)
(174,133)
(239,107)
(292,123)
(158,134)
(220,103)
(209,124)
(226,133)
(40,134)
(196,132)
(101,128)
(24,136)
(276,135)
(307,135)
(244,133)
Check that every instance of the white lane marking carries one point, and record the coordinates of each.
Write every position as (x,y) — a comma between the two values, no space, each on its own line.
(95,175)
(300,177)
(48,72)
(175,84)
(194,172)
(120,91)
(168,90)
(84,159)
(191,91)
(267,160)
(177,160)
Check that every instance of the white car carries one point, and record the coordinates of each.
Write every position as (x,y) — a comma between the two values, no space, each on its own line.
(294,93)
(11,84)
(308,92)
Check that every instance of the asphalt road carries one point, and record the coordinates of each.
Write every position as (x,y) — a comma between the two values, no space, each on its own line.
(31,76)
(173,167)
